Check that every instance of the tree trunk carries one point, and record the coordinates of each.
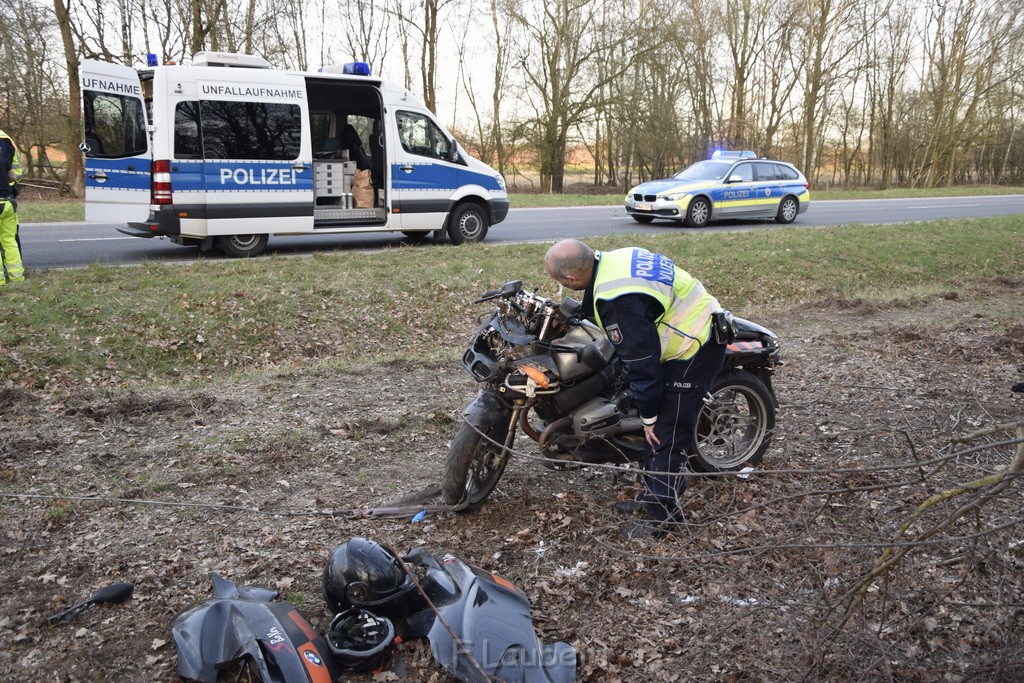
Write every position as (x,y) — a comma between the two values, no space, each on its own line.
(73,120)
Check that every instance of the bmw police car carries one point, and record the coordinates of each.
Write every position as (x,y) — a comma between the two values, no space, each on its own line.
(728,185)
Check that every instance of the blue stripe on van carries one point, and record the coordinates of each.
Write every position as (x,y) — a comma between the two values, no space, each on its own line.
(240,176)
(438,176)
(131,173)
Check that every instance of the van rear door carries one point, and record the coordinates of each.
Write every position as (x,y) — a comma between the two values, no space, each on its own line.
(118,155)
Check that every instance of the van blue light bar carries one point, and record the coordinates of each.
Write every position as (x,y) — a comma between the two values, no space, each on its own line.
(357,69)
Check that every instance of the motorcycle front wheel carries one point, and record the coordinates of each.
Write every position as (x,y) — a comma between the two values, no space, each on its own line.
(475,463)
(734,428)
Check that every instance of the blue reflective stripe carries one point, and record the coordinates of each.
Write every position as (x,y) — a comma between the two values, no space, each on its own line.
(240,176)
(439,176)
(131,173)
(428,176)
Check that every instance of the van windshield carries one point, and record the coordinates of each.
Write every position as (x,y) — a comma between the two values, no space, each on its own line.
(704,170)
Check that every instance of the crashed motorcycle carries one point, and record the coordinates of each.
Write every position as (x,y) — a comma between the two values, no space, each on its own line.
(547,371)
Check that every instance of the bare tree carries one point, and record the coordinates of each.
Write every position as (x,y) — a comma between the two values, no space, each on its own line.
(964,50)
(829,37)
(560,46)
(368,26)
(421,20)
(746,27)
(72,121)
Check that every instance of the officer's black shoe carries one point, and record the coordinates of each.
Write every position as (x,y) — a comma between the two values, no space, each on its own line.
(630,507)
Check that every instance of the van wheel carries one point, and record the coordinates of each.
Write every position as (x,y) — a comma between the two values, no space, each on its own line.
(242,246)
(468,223)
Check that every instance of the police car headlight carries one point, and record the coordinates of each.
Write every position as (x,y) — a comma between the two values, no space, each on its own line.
(501,181)
(675,197)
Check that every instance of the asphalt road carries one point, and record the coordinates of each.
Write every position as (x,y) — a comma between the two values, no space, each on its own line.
(75,245)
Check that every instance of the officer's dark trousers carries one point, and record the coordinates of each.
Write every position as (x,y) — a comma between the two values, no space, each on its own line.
(686,384)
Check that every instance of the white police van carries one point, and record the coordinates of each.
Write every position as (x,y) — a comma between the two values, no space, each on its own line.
(227,151)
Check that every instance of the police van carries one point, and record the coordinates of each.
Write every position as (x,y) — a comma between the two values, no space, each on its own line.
(227,151)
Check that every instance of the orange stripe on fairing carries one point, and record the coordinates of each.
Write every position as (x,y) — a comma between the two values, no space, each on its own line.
(303,624)
(745,346)
(504,582)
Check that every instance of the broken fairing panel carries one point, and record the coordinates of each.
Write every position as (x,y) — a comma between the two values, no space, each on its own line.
(482,630)
(241,625)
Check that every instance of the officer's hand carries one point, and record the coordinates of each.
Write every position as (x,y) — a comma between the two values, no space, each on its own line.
(649,435)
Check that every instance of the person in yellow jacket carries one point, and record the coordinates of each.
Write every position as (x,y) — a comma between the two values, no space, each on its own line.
(13,269)
(660,319)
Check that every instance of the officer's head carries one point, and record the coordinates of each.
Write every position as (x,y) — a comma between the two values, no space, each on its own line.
(570,263)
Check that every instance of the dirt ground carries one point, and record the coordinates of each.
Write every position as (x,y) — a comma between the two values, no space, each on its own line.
(257,479)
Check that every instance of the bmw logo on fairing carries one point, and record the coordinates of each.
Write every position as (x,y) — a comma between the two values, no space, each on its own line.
(313,658)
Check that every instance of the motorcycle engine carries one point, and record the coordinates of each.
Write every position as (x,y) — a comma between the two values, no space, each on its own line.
(597,417)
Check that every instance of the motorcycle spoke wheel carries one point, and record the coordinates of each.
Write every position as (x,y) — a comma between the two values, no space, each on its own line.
(474,464)
(734,428)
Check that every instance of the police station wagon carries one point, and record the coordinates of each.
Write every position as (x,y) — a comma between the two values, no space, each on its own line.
(728,185)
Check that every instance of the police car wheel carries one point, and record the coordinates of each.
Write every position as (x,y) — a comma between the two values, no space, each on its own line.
(789,207)
(642,219)
(242,246)
(699,213)
(468,223)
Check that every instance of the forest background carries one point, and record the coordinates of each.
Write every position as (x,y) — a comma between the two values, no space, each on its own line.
(857,93)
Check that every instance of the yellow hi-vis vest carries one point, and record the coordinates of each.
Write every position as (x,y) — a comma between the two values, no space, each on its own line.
(15,159)
(686,323)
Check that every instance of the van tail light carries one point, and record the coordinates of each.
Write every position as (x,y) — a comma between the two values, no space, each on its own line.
(162,182)
(807,186)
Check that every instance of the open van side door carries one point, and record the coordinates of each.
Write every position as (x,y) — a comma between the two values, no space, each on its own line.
(118,154)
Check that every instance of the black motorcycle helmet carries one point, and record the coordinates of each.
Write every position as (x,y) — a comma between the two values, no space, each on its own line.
(359,640)
(362,573)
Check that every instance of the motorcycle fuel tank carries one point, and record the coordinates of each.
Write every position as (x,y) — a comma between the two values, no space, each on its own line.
(570,363)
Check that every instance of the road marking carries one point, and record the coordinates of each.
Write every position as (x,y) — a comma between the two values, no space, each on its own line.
(941,206)
(96,239)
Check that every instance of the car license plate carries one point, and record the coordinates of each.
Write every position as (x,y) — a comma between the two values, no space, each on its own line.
(643,206)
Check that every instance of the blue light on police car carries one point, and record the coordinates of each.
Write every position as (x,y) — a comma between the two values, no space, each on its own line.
(732,154)
(152,60)
(357,69)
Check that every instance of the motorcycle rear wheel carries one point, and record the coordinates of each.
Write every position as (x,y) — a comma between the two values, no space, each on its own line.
(735,429)
(474,464)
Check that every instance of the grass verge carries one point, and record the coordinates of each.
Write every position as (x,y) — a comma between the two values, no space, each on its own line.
(172,323)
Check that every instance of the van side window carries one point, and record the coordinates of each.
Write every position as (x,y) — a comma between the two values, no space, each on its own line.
(187,142)
(421,136)
(114,125)
(250,130)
